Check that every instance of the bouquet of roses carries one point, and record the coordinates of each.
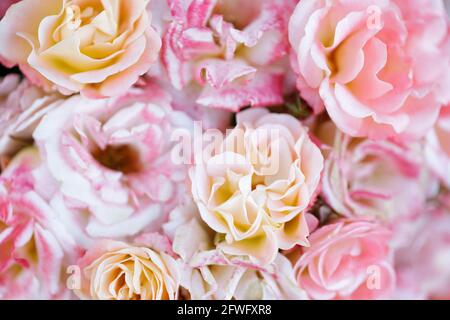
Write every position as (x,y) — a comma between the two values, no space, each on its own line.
(224,149)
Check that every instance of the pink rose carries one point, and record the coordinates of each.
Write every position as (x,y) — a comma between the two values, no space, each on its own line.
(422,256)
(380,68)
(113,270)
(364,177)
(253,188)
(437,149)
(33,242)
(232,49)
(185,101)
(349,259)
(99,48)
(111,162)
(22,106)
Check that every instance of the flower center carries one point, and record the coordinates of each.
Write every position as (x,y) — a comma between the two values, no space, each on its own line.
(238,13)
(3,226)
(78,17)
(123,158)
(94,14)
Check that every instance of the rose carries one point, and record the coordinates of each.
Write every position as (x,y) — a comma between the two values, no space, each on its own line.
(364,177)
(184,98)
(114,270)
(253,187)
(422,255)
(379,67)
(349,259)
(234,50)
(97,47)
(210,274)
(111,162)
(22,106)
(437,148)
(34,245)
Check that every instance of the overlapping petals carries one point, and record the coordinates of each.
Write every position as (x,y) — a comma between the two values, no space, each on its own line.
(224,149)
(208,273)
(380,68)
(380,179)
(34,246)
(422,256)
(22,106)
(349,259)
(230,48)
(118,271)
(111,162)
(97,47)
(254,187)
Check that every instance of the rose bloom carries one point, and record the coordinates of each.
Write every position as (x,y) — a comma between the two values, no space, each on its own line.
(437,149)
(233,50)
(108,163)
(209,274)
(349,259)
(22,106)
(34,246)
(422,256)
(213,276)
(114,270)
(380,68)
(254,186)
(99,48)
(365,177)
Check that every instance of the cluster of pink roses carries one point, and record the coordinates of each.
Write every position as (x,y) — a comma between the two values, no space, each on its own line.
(224,149)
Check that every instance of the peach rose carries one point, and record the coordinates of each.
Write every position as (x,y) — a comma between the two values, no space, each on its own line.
(98,48)
(363,177)
(111,163)
(22,106)
(118,271)
(380,67)
(34,245)
(422,255)
(349,259)
(253,187)
(437,149)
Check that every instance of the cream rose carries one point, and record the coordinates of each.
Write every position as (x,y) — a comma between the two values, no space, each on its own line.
(254,187)
(97,47)
(210,274)
(117,271)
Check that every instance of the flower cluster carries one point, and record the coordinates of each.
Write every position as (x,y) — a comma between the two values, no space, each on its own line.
(224,149)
